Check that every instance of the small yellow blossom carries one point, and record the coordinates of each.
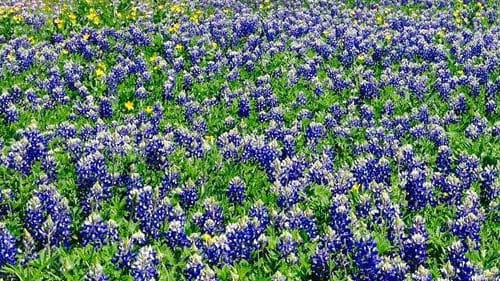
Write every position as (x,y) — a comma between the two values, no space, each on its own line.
(72,18)
(379,19)
(209,138)
(133,14)
(18,18)
(11,56)
(355,188)
(149,110)
(174,28)
(129,105)
(209,239)
(153,58)
(59,23)
(179,47)
(86,36)
(65,51)
(101,70)
(178,9)
(214,45)
(93,17)
(195,17)
(99,73)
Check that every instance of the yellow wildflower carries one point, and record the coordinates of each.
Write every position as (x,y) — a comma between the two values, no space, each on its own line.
(149,110)
(355,188)
(129,105)
(195,17)
(379,19)
(18,18)
(72,18)
(93,17)
(214,45)
(99,73)
(101,70)
(209,138)
(133,14)
(59,23)
(86,36)
(153,58)
(179,47)
(178,9)
(65,51)
(174,28)
(11,56)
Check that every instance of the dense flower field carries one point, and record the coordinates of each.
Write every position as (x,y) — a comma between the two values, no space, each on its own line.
(250,140)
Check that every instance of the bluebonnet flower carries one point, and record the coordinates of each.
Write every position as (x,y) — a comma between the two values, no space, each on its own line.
(287,247)
(32,147)
(443,160)
(105,108)
(188,195)
(289,170)
(236,191)
(29,247)
(156,152)
(315,131)
(489,188)
(175,235)
(459,105)
(6,196)
(452,189)
(467,169)
(419,192)
(127,250)
(366,259)
(462,268)
(297,219)
(415,246)
(320,268)
(242,239)
(96,273)
(340,221)
(196,270)
(392,268)
(170,181)
(421,274)
(261,213)
(48,218)
(288,195)
(148,209)
(211,221)
(468,220)
(244,108)
(144,267)
(8,249)
(97,232)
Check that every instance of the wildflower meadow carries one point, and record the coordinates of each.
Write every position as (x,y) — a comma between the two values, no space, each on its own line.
(253,140)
